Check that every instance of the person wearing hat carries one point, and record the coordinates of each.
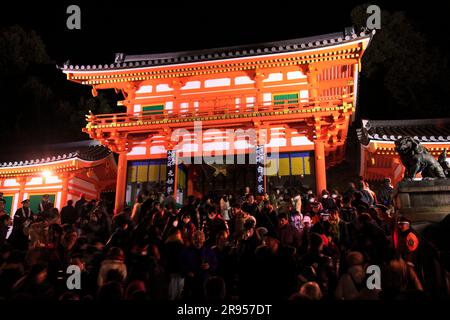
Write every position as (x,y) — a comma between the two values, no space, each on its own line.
(23,217)
(25,211)
(406,241)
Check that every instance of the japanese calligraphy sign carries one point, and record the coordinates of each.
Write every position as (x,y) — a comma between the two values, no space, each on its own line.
(259,155)
(171,171)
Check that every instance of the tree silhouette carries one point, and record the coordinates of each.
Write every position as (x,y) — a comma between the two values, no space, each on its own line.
(38,104)
(403,76)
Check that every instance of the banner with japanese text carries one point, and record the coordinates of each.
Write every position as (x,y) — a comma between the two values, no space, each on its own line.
(259,155)
(171,171)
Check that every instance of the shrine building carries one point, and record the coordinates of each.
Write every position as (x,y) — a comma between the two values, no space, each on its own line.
(379,159)
(287,101)
(63,171)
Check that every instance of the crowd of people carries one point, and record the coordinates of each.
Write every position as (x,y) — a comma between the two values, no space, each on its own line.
(286,245)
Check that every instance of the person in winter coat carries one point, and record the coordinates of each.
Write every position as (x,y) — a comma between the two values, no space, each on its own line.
(327,202)
(121,235)
(274,270)
(171,259)
(198,263)
(213,225)
(363,196)
(267,217)
(250,205)
(114,261)
(352,284)
(187,228)
(69,214)
(318,267)
(287,233)
(385,196)
(191,209)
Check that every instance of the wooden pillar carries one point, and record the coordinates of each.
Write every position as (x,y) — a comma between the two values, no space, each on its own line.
(312,76)
(121,181)
(65,189)
(130,92)
(319,159)
(176,85)
(259,97)
(190,182)
(22,182)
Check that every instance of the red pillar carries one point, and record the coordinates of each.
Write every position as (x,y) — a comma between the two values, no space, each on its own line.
(22,182)
(312,83)
(190,182)
(319,157)
(259,98)
(121,181)
(65,190)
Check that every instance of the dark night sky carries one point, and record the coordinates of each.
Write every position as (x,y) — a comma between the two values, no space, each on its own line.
(159,26)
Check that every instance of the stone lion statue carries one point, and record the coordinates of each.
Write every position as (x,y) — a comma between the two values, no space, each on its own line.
(417,159)
(444,164)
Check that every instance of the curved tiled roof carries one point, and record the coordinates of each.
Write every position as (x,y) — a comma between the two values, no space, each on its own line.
(91,153)
(123,61)
(423,130)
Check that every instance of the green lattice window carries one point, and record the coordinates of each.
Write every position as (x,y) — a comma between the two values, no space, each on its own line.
(35,199)
(153,109)
(8,204)
(285,98)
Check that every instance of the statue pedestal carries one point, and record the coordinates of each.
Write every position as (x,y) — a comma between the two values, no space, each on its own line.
(424,200)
